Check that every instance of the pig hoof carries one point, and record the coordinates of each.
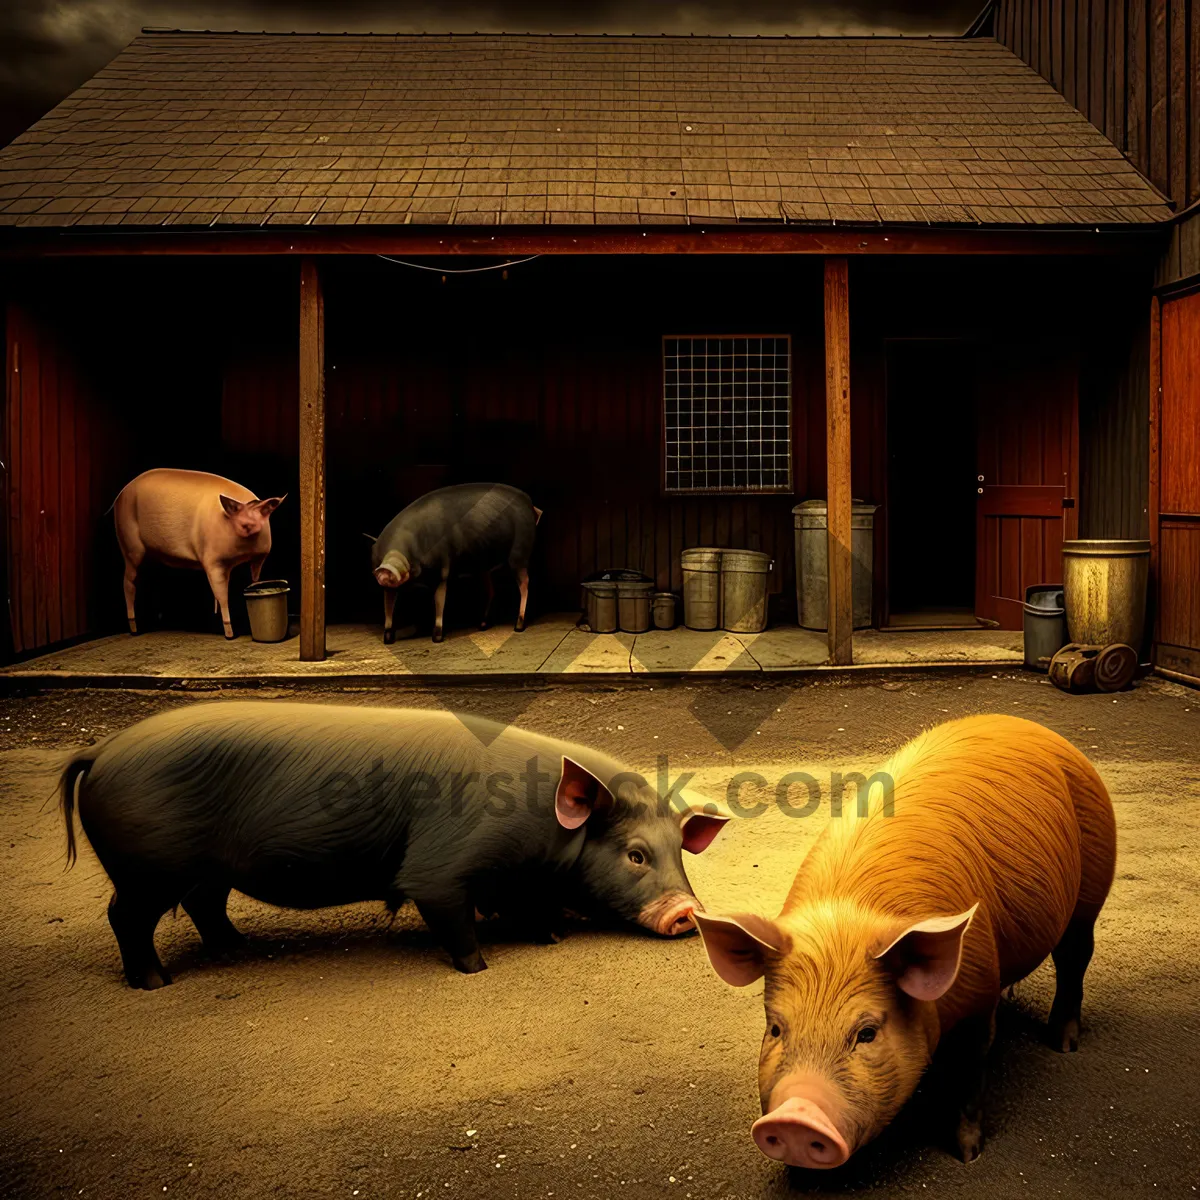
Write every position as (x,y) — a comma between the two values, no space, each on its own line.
(438,636)
(151,980)
(1065,1037)
(519,627)
(471,965)
(970,1138)
(228,634)
(133,628)
(389,636)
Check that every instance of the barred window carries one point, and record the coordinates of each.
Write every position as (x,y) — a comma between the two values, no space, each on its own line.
(727,414)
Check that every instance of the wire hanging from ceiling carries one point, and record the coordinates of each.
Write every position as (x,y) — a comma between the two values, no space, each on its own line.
(458,270)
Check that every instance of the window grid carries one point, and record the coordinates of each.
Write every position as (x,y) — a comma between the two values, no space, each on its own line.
(727,414)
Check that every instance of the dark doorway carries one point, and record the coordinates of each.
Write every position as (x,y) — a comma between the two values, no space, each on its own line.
(931,484)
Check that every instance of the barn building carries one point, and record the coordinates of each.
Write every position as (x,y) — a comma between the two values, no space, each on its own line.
(669,286)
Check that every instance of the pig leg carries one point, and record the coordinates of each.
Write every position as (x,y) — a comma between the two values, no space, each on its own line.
(205,904)
(256,566)
(523,584)
(971,1040)
(1071,957)
(134,914)
(489,594)
(451,919)
(218,580)
(133,560)
(389,613)
(439,607)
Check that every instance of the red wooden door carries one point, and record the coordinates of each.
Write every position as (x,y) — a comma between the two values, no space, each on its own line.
(1028,470)
(1177,639)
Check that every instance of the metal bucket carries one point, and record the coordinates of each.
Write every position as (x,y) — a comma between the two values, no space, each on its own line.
(600,606)
(1104,582)
(744,590)
(633,606)
(702,587)
(1045,625)
(267,607)
(811,522)
(662,608)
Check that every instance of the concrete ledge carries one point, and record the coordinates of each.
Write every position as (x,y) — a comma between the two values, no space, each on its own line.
(553,648)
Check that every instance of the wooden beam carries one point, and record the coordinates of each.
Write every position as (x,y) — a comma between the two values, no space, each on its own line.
(1154,499)
(312,464)
(516,242)
(837,458)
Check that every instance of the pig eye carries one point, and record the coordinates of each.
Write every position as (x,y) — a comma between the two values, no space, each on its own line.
(774,1030)
(636,857)
(866,1034)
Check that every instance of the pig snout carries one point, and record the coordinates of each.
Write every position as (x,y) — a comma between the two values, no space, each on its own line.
(387,577)
(670,915)
(801,1133)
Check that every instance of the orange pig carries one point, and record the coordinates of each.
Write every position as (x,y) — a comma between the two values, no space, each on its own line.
(999,850)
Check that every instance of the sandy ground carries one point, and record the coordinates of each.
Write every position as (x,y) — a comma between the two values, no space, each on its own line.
(339,1059)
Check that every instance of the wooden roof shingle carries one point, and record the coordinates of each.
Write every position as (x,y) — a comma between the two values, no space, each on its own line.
(219,129)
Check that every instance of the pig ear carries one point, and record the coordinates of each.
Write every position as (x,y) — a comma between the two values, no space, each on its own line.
(579,794)
(267,507)
(926,956)
(699,829)
(232,507)
(738,946)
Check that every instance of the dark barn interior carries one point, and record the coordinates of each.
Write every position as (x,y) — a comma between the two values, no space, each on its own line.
(548,375)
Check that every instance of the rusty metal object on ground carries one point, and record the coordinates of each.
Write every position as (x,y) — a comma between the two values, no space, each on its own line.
(1079,668)
(1115,667)
(1073,668)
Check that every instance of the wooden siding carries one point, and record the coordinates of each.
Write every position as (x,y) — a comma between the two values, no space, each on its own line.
(1114,418)
(58,484)
(550,380)
(1132,67)
(1177,477)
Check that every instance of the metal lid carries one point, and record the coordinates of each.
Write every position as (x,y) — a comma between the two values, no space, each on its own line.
(267,587)
(1107,547)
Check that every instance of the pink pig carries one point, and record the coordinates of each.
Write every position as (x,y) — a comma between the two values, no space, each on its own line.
(192,519)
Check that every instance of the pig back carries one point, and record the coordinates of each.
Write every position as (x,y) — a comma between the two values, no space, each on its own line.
(307,804)
(984,811)
(176,514)
(474,525)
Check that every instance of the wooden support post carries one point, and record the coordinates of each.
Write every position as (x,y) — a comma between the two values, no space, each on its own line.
(1154,499)
(312,464)
(837,458)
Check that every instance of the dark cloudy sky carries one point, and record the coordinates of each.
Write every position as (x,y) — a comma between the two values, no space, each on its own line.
(49,47)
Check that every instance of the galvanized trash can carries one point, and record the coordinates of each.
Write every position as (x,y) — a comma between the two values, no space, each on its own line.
(267,607)
(600,605)
(744,576)
(663,610)
(810,520)
(1104,582)
(702,587)
(1045,624)
(633,605)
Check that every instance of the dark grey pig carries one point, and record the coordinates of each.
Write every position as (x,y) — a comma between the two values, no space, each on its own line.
(305,805)
(470,526)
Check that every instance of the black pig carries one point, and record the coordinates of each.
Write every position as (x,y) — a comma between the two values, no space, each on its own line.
(306,806)
(478,526)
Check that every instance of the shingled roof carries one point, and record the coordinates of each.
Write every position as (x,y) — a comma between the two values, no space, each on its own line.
(212,129)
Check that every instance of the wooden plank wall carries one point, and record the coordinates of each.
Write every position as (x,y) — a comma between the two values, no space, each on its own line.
(1132,67)
(57,444)
(553,382)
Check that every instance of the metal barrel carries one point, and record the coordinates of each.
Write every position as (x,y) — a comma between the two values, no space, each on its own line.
(702,587)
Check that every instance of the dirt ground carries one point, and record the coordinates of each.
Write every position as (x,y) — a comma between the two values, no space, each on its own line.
(343,1059)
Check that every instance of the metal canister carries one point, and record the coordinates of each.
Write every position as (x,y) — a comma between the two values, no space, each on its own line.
(702,587)
(1104,585)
